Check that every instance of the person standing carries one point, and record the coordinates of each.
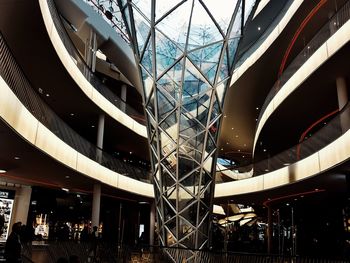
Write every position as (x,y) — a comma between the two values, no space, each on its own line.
(2,222)
(13,247)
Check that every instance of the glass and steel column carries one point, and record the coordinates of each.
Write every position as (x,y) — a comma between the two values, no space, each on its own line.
(185,50)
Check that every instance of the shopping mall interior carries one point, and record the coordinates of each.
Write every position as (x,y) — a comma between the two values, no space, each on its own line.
(193,130)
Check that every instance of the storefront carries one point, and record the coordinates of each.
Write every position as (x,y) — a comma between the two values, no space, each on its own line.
(6,207)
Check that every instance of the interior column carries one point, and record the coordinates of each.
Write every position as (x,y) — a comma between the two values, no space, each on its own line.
(96,203)
(123,97)
(21,205)
(100,136)
(343,98)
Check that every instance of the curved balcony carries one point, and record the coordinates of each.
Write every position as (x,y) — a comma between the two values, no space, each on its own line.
(314,47)
(87,72)
(263,43)
(12,74)
(102,96)
(324,150)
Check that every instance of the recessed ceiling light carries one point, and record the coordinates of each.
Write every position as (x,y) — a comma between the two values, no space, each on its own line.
(236,136)
(232,128)
(222,149)
(72,114)
(239,150)
(92,126)
(287,204)
(256,119)
(316,189)
(47,95)
(286,164)
(243,156)
(2,171)
(17,158)
(266,170)
(245,145)
(130,152)
(224,116)
(264,150)
(65,189)
(226,142)
(67,176)
(257,108)
(259,28)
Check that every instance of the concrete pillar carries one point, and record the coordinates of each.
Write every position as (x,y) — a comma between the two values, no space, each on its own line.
(152,223)
(21,205)
(342,92)
(100,136)
(269,229)
(343,98)
(123,97)
(96,203)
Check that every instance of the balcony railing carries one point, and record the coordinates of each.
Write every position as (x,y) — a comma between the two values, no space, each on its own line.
(112,252)
(17,81)
(332,26)
(86,71)
(323,137)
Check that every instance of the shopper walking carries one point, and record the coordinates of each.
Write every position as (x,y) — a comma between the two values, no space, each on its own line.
(13,247)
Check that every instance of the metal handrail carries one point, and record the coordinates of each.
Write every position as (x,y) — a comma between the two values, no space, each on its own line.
(329,29)
(324,136)
(87,72)
(20,85)
(113,252)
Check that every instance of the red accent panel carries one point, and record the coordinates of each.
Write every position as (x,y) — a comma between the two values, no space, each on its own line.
(297,33)
(301,139)
(267,202)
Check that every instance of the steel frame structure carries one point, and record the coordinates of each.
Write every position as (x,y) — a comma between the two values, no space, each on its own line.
(185,50)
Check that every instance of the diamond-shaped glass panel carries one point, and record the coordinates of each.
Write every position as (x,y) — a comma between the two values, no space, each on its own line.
(216,111)
(185,198)
(186,165)
(232,48)
(194,81)
(147,60)
(189,126)
(165,104)
(190,213)
(171,226)
(207,59)
(167,52)
(221,11)
(147,82)
(203,30)
(142,29)
(236,28)
(162,7)
(224,69)
(144,6)
(220,91)
(151,105)
(169,210)
(175,25)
